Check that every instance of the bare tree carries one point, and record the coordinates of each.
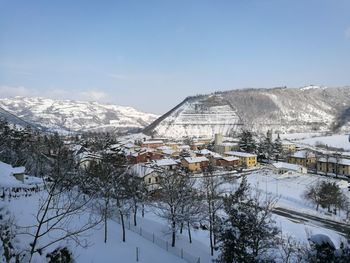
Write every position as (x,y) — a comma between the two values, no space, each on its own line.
(212,194)
(174,195)
(60,206)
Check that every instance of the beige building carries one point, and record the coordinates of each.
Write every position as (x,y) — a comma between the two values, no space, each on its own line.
(335,166)
(288,147)
(303,158)
(195,164)
(247,159)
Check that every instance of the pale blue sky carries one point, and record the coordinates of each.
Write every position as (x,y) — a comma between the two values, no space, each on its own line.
(152,54)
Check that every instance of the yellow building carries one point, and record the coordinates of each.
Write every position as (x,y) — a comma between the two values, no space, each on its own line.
(247,159)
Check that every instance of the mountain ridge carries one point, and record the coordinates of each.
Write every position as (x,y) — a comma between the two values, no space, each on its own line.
(76,116)
(310,108)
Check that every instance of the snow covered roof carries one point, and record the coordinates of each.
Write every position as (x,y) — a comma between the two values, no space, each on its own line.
(152,142)
(18,170)
(196,159)
(240,154)
(303,154)
(184,147)
(288,166)
(165,162)
(164,147)
(141,152)
(203,151)
(228,144)
(141,170)
(6,177)
(334,160)
(230,158)
(169,151)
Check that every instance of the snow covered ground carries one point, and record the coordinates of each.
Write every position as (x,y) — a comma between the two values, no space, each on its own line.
(288,189)
(96,251)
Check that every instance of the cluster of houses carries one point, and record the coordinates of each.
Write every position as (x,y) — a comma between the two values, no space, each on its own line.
(150,156)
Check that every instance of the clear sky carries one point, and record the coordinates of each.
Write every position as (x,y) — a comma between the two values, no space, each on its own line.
(152,54)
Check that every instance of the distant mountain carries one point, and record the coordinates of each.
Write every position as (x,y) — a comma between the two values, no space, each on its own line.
(77,116)
(306,109)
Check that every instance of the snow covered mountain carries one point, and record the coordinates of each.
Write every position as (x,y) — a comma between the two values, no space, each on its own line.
(68,115)
(311,108)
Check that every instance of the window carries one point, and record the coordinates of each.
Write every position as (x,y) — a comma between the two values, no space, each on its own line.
(149,180)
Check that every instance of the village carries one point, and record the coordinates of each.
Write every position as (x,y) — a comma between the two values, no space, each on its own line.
(217,156)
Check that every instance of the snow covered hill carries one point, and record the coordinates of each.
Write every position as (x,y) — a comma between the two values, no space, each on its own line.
(68,115)
(306,109)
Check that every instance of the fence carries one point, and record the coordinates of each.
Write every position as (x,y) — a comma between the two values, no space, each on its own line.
(160,242)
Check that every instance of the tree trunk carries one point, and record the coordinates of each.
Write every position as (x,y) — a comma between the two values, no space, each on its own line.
(211,232)
(105,218)
(123,225)
(143,210)
(173,236)
(189,232)
(135,214)
(213,229)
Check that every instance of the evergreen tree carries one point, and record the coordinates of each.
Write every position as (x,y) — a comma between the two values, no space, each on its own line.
(247,142)
(247,232)
(277,148)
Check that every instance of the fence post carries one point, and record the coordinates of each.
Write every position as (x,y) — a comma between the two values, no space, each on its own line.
(129,225)
(199,260)
(153,237)
(137,254)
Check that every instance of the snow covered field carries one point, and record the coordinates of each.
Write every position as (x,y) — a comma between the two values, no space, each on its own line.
(337,140)
(288,191)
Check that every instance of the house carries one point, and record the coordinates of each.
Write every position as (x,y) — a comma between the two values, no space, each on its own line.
(195,164)
(149,175)
(85,159)
(152,144)
(247,159)
(167,164)
(228,161)
(289,168)
(288,147)
(143,156)
(11,177)
(18,173)
(303,158)
(333,165)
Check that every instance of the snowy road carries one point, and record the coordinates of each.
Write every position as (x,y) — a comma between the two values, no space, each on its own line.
(341,228)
